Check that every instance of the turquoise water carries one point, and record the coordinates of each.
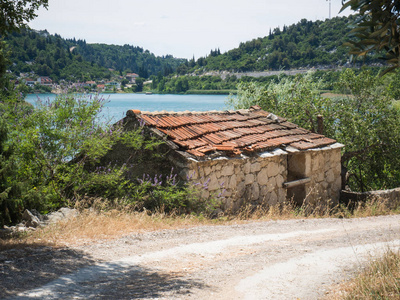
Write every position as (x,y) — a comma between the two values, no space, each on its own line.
(119,104)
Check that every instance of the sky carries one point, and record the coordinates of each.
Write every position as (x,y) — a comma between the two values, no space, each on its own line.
(182,28)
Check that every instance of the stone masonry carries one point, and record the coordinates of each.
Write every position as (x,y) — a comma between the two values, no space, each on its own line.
(260,179)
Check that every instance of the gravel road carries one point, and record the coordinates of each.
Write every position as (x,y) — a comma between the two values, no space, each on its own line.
(290,259)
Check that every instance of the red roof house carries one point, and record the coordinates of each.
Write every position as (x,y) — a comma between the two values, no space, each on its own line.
(45,81)
(248,156)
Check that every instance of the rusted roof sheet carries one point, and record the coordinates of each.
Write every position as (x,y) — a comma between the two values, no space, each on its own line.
(231,132)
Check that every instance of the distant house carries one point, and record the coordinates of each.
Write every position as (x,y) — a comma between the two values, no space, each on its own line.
(101,87)
(248,156)
(132,77)
(30,82)
(45,81)
(90,83)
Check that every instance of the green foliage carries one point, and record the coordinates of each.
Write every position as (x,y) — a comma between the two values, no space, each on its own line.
(376,29)
(139,84)
(75,60)
(48,55)
(184,84)
(4,62)
(44,140)
(296,98)
(167,194)
(56,153)
(14,14)
(127,58)
(50,136)
(305,44)
(364,120)
(369,126)
(10,204)
(392,81)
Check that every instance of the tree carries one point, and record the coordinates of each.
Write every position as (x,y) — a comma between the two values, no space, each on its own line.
(52,147)
(369,125)
(14,14)
(365,121)
(9,206)
(4,61)
(139,84)
(377,29)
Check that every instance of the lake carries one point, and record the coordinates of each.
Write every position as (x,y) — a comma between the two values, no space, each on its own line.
(119,104)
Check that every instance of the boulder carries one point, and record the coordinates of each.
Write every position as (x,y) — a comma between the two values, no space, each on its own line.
(30,219)
(62,214)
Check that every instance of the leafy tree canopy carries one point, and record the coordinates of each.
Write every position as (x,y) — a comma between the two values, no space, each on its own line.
(377,29)
(14,13)
(363,118)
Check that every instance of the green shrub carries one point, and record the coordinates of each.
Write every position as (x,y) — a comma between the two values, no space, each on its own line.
(363,119)
(56,153)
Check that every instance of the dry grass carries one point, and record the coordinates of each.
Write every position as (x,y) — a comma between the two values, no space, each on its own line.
(287,210)
(283,211)
(93,225)
(90,226)
(372,208)
(379,280)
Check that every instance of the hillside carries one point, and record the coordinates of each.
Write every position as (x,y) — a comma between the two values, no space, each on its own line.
(128,58)
(303,45)
(42,54)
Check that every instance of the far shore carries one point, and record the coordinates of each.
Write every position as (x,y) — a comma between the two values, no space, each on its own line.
(189,92)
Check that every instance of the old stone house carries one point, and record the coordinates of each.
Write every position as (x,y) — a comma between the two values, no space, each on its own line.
(249,155)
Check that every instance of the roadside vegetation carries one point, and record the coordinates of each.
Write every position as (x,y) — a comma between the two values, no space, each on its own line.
(378,280)
(51,156)
(98,220)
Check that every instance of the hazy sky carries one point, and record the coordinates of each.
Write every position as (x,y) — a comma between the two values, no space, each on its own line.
(182,28)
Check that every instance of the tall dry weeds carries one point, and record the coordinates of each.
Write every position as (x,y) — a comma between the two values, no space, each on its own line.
(107,221)
(379,280)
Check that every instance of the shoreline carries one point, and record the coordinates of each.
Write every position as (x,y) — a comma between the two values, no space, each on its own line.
(192,92)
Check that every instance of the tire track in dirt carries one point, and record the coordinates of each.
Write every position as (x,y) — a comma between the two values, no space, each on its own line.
(262,260)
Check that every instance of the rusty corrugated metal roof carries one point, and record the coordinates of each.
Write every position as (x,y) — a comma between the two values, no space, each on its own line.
(231,132)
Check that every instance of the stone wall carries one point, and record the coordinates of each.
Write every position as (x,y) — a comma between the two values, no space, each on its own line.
(253,179)
(391,197)
(260,179)
(324,172)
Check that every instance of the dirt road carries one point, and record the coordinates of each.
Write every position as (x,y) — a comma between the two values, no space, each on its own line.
(293,259)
